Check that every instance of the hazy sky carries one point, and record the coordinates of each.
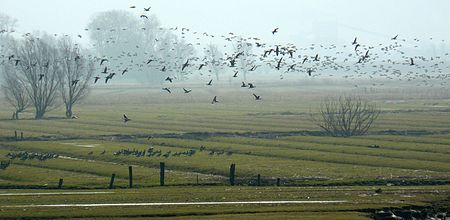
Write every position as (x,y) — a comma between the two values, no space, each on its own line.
(302,21)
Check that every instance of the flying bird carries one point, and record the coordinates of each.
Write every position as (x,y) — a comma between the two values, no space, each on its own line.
(103,60)
(257,97)
(147,9)
(187,91)
(185,65)
(75,82)
(209,83)
(214,100)
(354,41)
(275,30)
(395,37)
(125,118)
(96,79)
(167,89)
(169,79)
(235,74)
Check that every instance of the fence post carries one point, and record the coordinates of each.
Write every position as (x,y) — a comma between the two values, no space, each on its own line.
(197,180)
(258,182)
(15,135)
(130,176)
(60,183)
(21,135)
(162,166)
(111,183)
(232,174)
(278,182)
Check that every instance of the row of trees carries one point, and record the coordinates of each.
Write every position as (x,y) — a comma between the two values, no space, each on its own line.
(39,70)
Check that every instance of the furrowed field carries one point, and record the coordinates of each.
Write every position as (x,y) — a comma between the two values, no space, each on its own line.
(273,138)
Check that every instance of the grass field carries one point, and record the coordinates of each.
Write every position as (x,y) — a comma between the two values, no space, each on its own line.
(412,165)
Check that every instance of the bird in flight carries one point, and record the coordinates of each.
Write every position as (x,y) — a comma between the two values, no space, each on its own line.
(354,41)
(103,60)
(75,82)
(124,71)
(125,118)
(411,61)
(187,91)
(214,100)
(169,79)
(395,37)
(251,86)
(279,63)
(209,83)
(144,16)
(243,84)
(257,97)
(96,79)
(147,9)
(105,70)
(41,76)
(235,74)
(275,30)
(167,89)
(185,65)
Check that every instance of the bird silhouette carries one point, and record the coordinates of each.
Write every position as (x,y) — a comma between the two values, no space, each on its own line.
(185,65)
(243,84)
(251,86)
(167,89)
(124,71)
(169,79)
(75,82)
(411,61)
(147,9)
(187,91)
(257,97)
(105,70)
(103,60)
(395,37)
(275,30)
(214,100)
(41,76)
(235,74)
(125,118)
(144,16)
(96,79)
(354,41)
(209,83)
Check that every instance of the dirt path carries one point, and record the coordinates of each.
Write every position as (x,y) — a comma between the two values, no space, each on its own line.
(174,203)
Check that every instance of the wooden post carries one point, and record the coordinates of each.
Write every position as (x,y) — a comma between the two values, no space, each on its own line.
(197,180)
(60,183)
(21,135)
(130,176)
(111,183)
(232,174)
(258,182)
(162,166)
(15,135)
(278,182)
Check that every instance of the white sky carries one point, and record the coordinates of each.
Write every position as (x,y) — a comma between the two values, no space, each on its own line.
(305,21)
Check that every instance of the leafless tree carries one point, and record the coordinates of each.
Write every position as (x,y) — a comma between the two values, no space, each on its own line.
(246,58)
(38,68)
(76,73)
(214,57)
(346,116)
(14,91)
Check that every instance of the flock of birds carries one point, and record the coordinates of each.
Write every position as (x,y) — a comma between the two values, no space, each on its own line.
(391,60)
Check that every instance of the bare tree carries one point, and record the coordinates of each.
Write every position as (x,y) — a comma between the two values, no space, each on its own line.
(246,58)
(346,116)
(214,57)
(14,91)
(37,68)
(76,73)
